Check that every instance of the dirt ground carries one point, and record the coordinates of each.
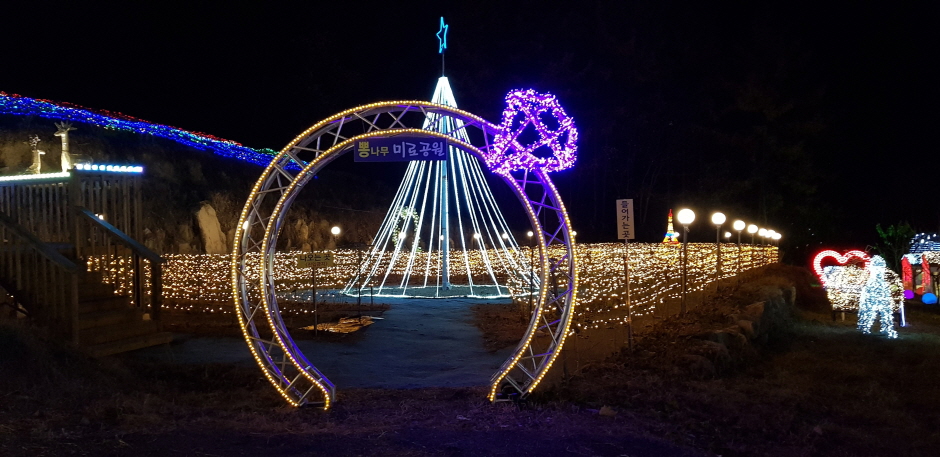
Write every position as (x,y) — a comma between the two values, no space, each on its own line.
(818,387)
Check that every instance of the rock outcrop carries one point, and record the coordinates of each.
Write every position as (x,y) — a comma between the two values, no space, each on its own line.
(213,239)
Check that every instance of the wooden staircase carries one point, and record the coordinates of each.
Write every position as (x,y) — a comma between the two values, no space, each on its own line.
(109,324)
(52,227)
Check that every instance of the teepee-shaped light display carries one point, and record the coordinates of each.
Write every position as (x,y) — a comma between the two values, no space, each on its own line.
(444,234)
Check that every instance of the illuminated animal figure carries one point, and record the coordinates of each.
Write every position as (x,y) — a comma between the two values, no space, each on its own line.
(64,128)
(36,167)
(875,301)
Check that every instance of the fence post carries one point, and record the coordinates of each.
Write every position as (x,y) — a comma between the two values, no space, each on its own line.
(156,290)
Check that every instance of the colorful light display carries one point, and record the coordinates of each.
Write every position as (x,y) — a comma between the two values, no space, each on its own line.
(296,378)
(58,175)
(442,37)
(844,282)
(528,108)
(840,259)
(907,277)
(25,106)
(925,285)
(875,301)
(672,236)
(110,168)
(445,207)
(925,242)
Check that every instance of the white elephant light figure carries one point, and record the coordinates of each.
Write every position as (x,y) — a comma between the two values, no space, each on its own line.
(875,301)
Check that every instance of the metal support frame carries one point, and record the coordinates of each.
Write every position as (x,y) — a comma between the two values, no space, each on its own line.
(262,218)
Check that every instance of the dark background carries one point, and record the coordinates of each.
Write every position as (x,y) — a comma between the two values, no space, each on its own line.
(815,121)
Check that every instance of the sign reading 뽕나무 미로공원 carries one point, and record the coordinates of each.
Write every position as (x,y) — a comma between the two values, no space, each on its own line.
(315,260)
(399,149)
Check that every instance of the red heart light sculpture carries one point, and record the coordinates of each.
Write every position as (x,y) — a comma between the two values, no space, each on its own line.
(840,259)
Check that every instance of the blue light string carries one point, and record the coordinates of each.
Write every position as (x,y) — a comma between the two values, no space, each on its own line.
(25,106)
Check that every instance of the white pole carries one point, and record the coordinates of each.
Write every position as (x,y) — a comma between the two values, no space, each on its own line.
(626,280)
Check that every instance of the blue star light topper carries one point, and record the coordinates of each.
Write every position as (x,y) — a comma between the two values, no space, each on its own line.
(442,37)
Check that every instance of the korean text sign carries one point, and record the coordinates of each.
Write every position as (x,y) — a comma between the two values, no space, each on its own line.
(400,149)
(625,227)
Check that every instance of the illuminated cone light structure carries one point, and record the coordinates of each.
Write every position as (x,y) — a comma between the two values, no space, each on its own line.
(443,235)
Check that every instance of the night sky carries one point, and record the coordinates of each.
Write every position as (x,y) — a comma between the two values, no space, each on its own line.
(817,122)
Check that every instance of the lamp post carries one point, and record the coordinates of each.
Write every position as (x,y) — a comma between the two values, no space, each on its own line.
(686,217)
(718,219)
(762,237)
(776,239)
(752,229)
(738,225)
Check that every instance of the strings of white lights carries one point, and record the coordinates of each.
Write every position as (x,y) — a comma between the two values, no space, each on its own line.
(200,282)
(875,301)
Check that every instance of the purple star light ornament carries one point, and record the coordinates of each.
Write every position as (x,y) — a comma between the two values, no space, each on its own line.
(526,110)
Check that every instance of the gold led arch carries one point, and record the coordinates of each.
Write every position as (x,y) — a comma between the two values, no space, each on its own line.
(262,218)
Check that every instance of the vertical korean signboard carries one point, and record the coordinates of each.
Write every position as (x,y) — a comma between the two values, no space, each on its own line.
(626,231)
(625,227)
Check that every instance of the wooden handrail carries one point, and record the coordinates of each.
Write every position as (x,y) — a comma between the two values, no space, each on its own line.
(139,252)
(120,236)
(37,245)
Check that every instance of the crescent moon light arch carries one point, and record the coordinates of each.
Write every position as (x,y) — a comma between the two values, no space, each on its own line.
(253,288)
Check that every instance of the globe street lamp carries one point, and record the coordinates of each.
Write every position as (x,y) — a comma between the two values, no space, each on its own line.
(762,234)
(752,229)
(718,219)
(685,217)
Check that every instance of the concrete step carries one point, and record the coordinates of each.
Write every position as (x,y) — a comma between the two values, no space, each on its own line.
(129,344)
(105,334)
(109,317)
(114,302)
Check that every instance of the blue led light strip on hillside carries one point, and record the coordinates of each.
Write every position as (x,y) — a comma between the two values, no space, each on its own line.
(25,106)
